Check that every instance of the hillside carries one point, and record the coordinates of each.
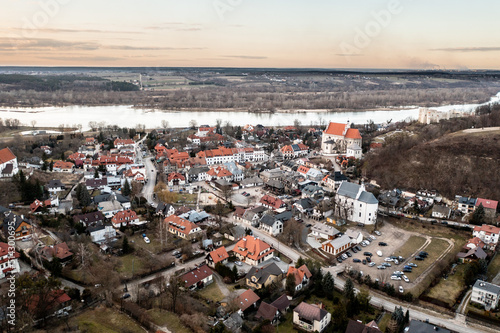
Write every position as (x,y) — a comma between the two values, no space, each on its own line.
(465,162)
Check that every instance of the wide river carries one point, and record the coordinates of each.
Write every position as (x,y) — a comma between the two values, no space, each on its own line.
(127,116)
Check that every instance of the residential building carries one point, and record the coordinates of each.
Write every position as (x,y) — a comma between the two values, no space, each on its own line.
(8,261)
(124,218)
(488,234)
(356,204)
(246,301)
(441,212)
(198,278)
(101,233)
(55,185)
(333,181)
(337,137)
(282,303)
(175,179)
(485,294)
(165,209)
(273,203)
(22,226)
(337,246)
(89,219)
(311,317)
(110,208)
(219,255)
(8,163)
(253,250)
(324,231)
(354,151)
(62,166)
(302,276)
(417,326)
(181,227)
(60,251)
(355,236)
(259,277)
(268,312)
(466,204)
(271,225)
(356,326)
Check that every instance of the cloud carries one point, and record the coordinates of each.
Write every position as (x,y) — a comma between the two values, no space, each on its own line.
(350,55)
(149,48)
(24,44)
(62,30)
(80,58)
(244,57)
(176,26)
(468,49)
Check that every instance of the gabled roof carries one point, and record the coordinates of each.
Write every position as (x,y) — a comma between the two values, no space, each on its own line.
(251,247)
(219,254)
(281,303)
(261,274)
(6,155)
(196,275)
(245,300)
(180,224)
(268,219)
(299,273)
(357,327)
(490,204)
(487,229)
(89,218)
(266,311)
(335,129)
(311,312)
(353,133)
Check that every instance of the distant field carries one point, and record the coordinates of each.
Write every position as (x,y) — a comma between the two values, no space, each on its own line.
(413,243)
(105,320)
(450,289)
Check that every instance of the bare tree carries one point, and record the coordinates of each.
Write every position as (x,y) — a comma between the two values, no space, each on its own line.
(33,123)
(173,289)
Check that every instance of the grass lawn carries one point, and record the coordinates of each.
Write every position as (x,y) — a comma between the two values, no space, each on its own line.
(382,324)
(286,324)
(435,249)
(449,290)
(413,243)
(130,262)
(105,320)
(212,292)
(154,246)
(494,268)
(168,319)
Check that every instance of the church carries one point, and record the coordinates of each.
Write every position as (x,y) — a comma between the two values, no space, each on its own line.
(338,137)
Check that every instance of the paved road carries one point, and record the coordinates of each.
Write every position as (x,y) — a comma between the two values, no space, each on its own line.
(451,323)
(148,188)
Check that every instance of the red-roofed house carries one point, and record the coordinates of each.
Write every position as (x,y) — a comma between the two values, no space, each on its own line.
(216,256)
(473,243)
(269,312)
(303,169)
(287,152)
(247,300)
(123,218)
(175,178)
(8,260)
(302,276)
(55,303)
(181,227)
(487,204)
(337,137)
(61,166)
(488,234)
(311,317)
(252,250)
(60,251)
(119,143)
(8,163)
(272,202)
(198,277)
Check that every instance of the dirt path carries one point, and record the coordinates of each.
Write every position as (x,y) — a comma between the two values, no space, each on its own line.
(438,259)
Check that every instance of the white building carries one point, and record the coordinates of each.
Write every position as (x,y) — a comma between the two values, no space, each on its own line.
(488,234)
(354,150)
(102,233)
(485,294)
(356,204)
(8,263)
(271,225)
(8,163)
(337,245)
(337,137)
(310,317)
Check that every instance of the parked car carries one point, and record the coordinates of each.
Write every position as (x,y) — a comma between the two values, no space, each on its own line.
(405,278)
(412,264)
(401,289)
(146,239)
(339,260)
(382,243)
(396,261)
(419,258)
(363,244)
(372,237)
(356,260)
(368,259)
(379,253)
(388,259)
(238,263)
(367,254)
(407,270)
(354,250)
(395,277)
(423,254)
(277,258)
(381,267)
(364,261)
(386,264)
(357,248)
(378,233)
(344,256)
(349,254)
(308,225)
(372,264)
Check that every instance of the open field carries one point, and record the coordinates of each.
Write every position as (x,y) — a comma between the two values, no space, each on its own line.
(435,249)
(450,289)
(410,246)
(212,292)
(494,268)
(168,319)
(105,320)
(131,264)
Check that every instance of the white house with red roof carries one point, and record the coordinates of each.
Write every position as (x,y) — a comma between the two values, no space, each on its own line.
(216,256)
(488,234)
(8,260)
(120,143)
(8,163)
(273,203)
(124,218)
(253,250)
(337,137)
(301,274)
(489,205)
(182,227)
(197,278)
(175,178)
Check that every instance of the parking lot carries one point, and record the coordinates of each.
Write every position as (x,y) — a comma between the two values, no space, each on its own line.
(395,239)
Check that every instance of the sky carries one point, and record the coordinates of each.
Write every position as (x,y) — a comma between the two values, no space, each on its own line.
(412,34)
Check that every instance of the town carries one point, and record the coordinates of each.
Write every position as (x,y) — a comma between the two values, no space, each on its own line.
(221,228)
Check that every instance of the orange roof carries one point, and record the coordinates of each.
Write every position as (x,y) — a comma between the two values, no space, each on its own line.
(245,300)
(175,175)
(62,165)
(6,155)
(287,149)
(353,133)
(179,224)
(219,254)
(251,247)
(303,169)
(224,173)
(491,204)
(487,229)
(35,205)
(299,273)
(268,200)
(335,129)
(124,216)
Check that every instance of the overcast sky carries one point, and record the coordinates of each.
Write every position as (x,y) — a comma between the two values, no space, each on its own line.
(418,34)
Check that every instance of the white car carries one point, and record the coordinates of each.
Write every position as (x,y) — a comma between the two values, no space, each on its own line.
(277,258)
(397,273)
(405,278)
(388,259)
(378,233)
(401,289)
(372,264)
(238,263)
(379,253)
(395,277)
(146,239)
(373,237)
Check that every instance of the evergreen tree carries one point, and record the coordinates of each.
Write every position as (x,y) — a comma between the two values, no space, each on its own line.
(125,245)
(478,215)
(328,285)
(349,290)
(300,262)
(51,166)
(290,284)
(96,174)
(126,188)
